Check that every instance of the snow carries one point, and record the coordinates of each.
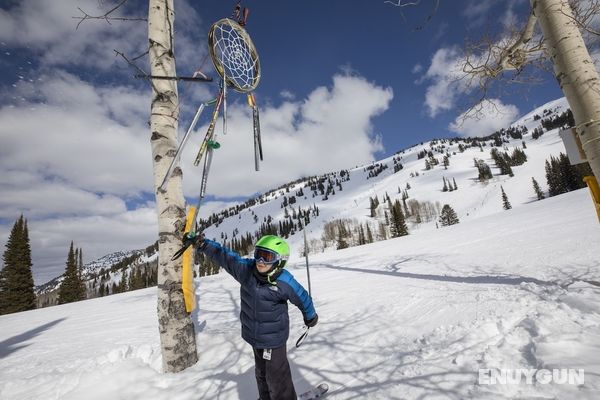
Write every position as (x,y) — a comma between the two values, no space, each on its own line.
(413,317)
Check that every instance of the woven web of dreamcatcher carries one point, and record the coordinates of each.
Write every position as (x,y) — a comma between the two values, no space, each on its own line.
(234,55)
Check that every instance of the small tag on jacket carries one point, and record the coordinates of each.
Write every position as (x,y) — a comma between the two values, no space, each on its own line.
(267,354)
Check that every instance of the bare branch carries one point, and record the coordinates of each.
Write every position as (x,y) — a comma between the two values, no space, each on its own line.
(134,65)
(141,55)
(106,16)
(583,14)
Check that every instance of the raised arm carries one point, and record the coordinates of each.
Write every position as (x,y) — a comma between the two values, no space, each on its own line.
(235,265)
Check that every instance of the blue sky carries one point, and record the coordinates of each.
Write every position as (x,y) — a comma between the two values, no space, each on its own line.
(343,83)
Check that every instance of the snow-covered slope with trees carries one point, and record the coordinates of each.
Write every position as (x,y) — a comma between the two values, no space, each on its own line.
(338,208)
(348,194)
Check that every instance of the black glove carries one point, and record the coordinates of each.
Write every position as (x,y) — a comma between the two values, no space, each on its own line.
(311,322)
(192,239)
(189,239)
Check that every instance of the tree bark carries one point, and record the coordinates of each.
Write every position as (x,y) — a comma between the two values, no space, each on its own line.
(177,334)
(575,72)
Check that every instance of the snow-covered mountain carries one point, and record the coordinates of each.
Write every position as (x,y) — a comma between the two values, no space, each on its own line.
(106,272)
(346,196)
(90,268)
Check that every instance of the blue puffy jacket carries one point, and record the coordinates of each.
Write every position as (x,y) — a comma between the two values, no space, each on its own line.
(264,310)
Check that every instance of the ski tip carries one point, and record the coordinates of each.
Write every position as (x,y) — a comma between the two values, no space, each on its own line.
(315,393)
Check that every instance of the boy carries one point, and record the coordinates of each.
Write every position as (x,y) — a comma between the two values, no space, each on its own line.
(265,289)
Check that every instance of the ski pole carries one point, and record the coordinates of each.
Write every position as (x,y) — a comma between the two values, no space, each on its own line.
(305,334)
(181,146)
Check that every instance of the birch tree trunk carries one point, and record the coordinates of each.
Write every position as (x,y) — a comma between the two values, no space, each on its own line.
(575,72)
(177,335)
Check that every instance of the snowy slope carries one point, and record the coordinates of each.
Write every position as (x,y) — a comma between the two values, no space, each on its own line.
(408,318)
(472,199)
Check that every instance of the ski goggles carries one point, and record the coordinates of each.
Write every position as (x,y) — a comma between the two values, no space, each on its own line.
(266,256)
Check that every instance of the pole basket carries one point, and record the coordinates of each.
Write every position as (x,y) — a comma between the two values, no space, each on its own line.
(595,190)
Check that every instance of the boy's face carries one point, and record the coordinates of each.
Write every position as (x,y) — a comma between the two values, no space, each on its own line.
(262,267)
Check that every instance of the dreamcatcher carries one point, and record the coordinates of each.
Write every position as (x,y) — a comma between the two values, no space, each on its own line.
(236,61)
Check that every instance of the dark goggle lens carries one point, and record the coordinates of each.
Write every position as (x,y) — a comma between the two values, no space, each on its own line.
(266,255)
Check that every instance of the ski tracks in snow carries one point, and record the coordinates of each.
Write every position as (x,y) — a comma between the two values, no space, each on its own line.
(436,335)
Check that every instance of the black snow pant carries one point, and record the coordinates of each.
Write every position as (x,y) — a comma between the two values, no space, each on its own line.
(273,377)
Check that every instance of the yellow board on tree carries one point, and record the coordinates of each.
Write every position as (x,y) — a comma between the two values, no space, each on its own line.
(187,283)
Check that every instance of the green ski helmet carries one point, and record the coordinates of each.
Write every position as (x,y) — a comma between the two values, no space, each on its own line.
(276,245)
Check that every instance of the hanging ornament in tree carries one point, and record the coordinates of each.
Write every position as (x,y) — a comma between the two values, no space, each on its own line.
(236,61)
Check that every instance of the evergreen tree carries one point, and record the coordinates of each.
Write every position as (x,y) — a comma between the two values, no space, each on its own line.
(455,186)
(445,188)
(123,283)
(448,216)
(553,178)
(484,170)
(505,203)
(70,289)
(536,188)
(373,207)
(563,177)
(398,224)
(16,280)
(502,161)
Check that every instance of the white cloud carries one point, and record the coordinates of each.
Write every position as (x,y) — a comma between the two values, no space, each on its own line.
(287,95)
(444,75)
(93,138)
(49,27)
(300,138)
(492,116)
(477,11)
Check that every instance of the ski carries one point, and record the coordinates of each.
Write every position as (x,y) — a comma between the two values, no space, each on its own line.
(211,129)
(258,153)
(317,392)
